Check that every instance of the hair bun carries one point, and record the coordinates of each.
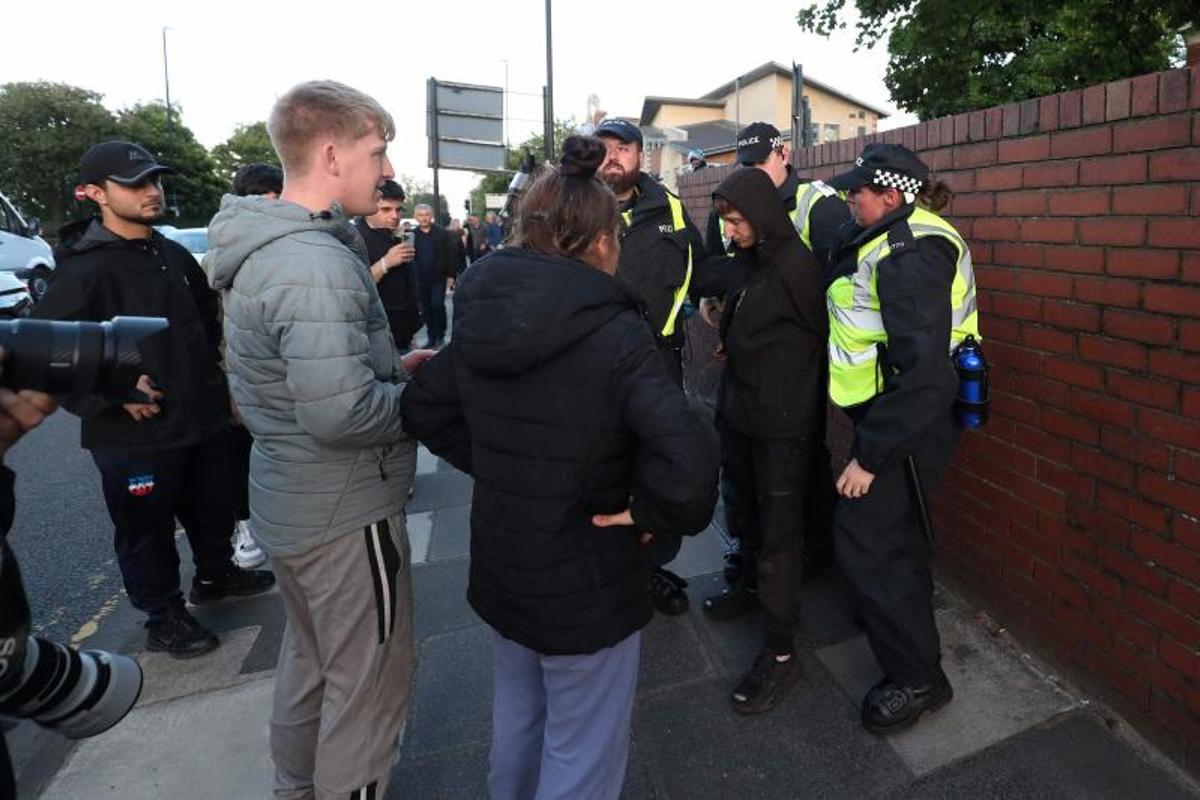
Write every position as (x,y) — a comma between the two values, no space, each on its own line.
(582,156)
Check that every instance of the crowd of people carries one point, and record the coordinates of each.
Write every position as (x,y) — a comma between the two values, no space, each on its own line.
(279,418)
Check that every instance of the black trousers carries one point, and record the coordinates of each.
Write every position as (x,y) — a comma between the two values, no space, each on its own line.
(240,442)
(882,550)
(145,494)
(432,295)
(766,490)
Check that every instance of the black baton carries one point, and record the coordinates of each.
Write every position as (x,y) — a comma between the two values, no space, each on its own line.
(918,496)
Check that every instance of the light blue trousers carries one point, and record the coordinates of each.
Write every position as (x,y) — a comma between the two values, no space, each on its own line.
(560,724)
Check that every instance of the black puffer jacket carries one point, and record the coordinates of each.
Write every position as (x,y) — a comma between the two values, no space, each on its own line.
(774,381)
(555,398)
(101,275)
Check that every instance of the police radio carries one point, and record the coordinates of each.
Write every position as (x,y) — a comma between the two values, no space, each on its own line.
(971,405)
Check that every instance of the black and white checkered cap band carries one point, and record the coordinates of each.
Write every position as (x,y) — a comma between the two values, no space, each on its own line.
(895,179)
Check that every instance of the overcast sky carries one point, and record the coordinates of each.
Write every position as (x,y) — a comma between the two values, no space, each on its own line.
(229,61)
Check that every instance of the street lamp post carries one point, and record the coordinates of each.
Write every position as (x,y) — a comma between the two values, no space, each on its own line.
(549,90)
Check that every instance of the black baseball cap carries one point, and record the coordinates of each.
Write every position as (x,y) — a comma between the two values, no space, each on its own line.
(756,141)
(622,129)
(884,165)
(125,163)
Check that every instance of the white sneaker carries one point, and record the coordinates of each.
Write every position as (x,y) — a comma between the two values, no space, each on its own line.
(246,554)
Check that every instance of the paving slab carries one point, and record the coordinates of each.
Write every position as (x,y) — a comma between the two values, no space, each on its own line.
(440,598)
(440,489)
(191,748)
(451,536)
(166,678)
(701,554)
(452,699)
(672,654)
(427,462)
(456,774)
(420,527)
(995,694)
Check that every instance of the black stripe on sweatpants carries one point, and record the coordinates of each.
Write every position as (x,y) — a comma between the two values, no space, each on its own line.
(384,561)
(365,793)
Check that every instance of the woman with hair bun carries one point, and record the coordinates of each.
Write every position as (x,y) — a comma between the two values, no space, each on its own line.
(555,398)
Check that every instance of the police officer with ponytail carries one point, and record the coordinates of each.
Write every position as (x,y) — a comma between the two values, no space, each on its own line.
(902,298)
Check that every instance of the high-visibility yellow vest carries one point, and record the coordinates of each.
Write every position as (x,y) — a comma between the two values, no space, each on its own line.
(807,195)
(855,322)
(681,292)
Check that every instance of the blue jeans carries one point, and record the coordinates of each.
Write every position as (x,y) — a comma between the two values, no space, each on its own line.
(560,724)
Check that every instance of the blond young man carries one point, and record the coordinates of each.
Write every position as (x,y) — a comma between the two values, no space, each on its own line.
(312,370)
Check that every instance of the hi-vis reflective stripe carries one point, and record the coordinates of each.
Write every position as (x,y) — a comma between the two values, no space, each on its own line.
(807,196)
(682,292)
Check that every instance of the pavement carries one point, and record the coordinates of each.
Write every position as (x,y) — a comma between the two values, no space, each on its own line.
(200,727)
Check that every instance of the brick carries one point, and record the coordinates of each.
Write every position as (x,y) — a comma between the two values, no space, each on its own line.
(1007,254)
(1169,428)
(1191,267)
(1172,299)
(1189,336)
(1102,409)
(1127,446)
(1065,480)
(1144,99)
(1079,203)
(995,228)
(1175,365)
(1100,524)
(1061,231)
(1132,570)
(998,178)
(1071,316)
(1190,405)
(1162,615)
(1036,543)
(1154,199)
(1031,148)
(1117,99)
(962,181)
(1108,291)
(1162,677)
(1070,109)
(1067,613)
(947,131)
(1075,259)
(977,204)
(939,160)
(1183,232)
(1175,717)
(1122,231)
(1011,125)
(1044,390)
(1138,263)
(1112,352)
(1029,116)
(1170,556)
(962,130)
(1131,507)
(997,278)
(1186,531)
(1012,204)
(1195,203)
(1127,625)
(1113,170)
(1083,142)
(1102,466)
(1007,355)
(1068,425)
(1048,340)
(1016,307)
(1017,408)
(1147,328)
(1093,105)
(1179,658)
(1187,467)
(1173,91)
(1154,134)
(1132,687)
(1194,102)
(1051,174)
(1175,165)
(1185,598)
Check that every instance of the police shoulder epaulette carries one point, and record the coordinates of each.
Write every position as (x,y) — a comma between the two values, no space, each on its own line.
(900,236)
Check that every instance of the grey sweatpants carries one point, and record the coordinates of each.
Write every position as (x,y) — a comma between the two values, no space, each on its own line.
(345,666)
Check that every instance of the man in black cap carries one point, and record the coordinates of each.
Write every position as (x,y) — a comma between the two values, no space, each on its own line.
(166,453)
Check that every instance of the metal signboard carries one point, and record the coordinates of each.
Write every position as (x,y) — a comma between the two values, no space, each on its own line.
(465,125)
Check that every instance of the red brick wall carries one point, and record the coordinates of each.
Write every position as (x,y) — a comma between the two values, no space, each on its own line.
(1075,514)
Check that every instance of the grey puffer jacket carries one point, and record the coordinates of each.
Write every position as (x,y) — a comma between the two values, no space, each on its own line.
(312,369)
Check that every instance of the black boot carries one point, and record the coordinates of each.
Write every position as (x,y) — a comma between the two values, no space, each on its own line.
(232,582)
(766,683)
(666,590)
(731,603)
(178,633)
(891,707)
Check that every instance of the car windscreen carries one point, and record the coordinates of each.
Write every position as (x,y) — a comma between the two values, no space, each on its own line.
(194,241)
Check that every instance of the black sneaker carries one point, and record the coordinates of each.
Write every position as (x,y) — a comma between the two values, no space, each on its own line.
(734,569)
(730,604)
(233,582)
(179,634)
(666,590)
(891,707)
(766,683)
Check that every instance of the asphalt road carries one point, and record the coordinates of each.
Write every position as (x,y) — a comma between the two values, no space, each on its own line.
(62,534)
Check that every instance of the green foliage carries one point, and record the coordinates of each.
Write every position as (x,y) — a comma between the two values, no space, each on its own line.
(497,182)
(45,128)
(951,56)
(194,191)
(249,144)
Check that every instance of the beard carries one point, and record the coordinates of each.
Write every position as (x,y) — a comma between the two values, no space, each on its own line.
(142,215)
(620,182)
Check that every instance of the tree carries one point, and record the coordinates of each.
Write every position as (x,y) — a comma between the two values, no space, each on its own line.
(249,144)
(497,182)
(951,56)
(45,128)
(194,191)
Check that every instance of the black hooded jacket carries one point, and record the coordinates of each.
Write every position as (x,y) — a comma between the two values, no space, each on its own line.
(101,275)
(554,396)
(398,288)
(774,381)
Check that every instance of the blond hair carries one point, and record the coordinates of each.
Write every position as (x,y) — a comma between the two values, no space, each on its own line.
(316,109)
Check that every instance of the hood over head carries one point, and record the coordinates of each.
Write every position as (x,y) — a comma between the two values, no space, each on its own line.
(516,309)
(751,191)
(246,224)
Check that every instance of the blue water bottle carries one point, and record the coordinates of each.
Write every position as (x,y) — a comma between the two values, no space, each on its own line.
(971,407)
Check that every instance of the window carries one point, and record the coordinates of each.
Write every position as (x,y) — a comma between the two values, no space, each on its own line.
(862,130)
(832,132)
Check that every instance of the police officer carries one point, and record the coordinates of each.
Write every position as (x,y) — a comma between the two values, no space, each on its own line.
(165,454)
(659,252)
(901,298)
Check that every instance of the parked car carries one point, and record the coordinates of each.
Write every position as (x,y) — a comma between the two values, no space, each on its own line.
(15,300)
(23,252)
(194,239)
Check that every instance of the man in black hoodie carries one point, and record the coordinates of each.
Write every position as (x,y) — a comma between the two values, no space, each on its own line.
(769,409)
(165,454)
(392,267)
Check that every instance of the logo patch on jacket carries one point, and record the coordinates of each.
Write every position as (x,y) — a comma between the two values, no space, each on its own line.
(140,485)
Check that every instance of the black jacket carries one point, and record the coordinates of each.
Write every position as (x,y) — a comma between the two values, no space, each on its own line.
(554,396)
(99,276)
(398,289)
(442,266)
(775,376)
(914,298)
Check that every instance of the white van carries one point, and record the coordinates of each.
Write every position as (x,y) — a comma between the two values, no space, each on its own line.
(22,251)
